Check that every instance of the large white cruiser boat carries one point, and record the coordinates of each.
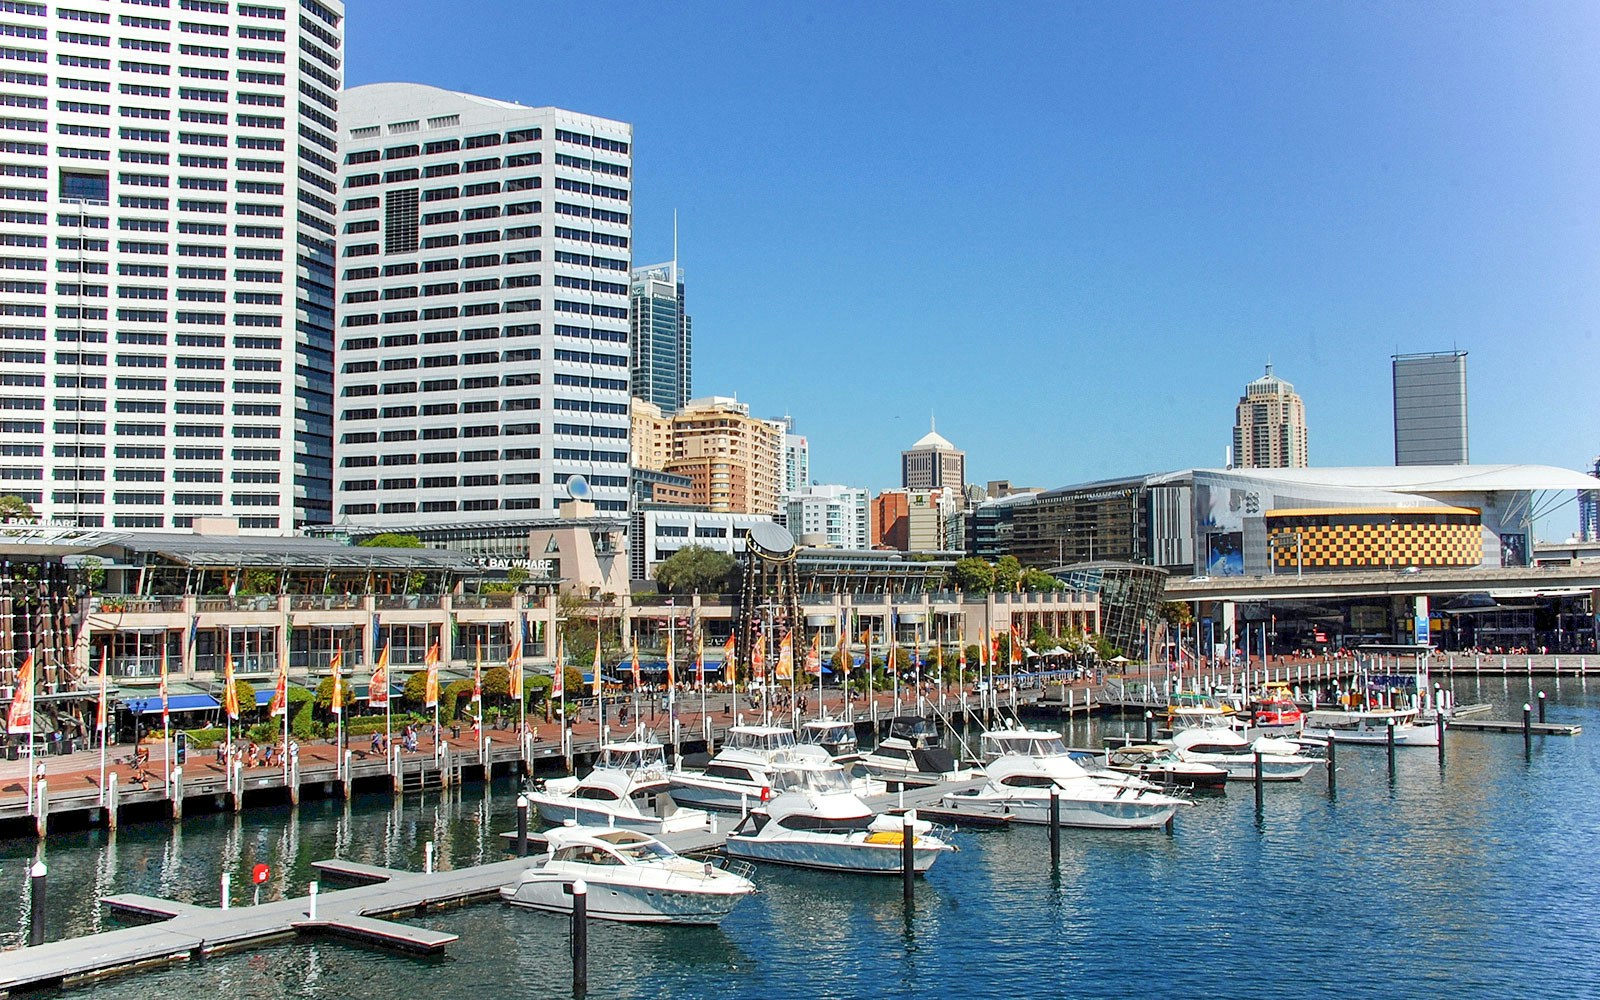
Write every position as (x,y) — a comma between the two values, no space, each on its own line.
(835,736)
(630,877)
(1024,765)
(739,777)
(1371,727)
(912,755)
(627,788)
(1281,760)
(814,820)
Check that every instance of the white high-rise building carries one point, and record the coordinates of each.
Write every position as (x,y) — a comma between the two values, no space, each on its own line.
(166,260)
(483,307)
(839,514)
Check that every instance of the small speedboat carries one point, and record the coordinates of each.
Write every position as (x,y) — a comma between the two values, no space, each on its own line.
(1371,727)
(912,755)
(1158,763)
(1281,760)
(627,788)
(814,820)
(835,736)
(1025,767)
(630,877)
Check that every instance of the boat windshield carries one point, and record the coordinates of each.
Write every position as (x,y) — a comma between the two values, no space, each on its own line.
(825,781)
(1026,745)
(643,852)
(634,758)
(819,735)
(764,739)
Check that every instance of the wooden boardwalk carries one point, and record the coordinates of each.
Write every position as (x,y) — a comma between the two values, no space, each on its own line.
(1514,726)
(187,931)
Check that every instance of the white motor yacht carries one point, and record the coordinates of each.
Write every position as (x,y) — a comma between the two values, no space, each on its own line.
(835,736)
(734,779)
(1371,727)
(814,820)
(1024,765)
(1160,763)
(1225,748)
(631,877)
(627,788)
(912,755)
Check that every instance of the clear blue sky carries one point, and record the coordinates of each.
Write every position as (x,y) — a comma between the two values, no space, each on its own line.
(1076,231)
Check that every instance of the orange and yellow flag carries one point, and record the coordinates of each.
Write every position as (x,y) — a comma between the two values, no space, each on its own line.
(336,666)
(514,669)
(430,663)
(230,688)
(378,688)
(814,655)
(20,719)
(785,669)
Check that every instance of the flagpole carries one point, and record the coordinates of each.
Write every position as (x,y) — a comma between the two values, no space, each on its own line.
(100,718)
(477,696)
(338,717)
(166,724)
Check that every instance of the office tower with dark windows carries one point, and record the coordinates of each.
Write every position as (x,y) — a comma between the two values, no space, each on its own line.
(660,354)
(166,249)
(483,307)
(1430,408)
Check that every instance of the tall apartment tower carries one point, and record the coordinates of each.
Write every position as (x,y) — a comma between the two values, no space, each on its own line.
(1269,427)
(659,353)
(166,213)
(733,460)
(933,463)
(796,457)
(1430,408)
(1589,510)
(483,313)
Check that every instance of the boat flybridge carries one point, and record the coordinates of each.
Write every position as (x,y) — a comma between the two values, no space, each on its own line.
(735,778)
(912,755)
(1281,759)
(628,788)
(835,736)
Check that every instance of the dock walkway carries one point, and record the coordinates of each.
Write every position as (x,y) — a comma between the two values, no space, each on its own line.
(188,931)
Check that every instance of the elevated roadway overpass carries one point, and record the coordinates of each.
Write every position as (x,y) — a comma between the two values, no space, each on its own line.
(1509,581)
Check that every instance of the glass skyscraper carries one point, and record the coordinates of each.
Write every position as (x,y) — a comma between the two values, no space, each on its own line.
(1430,408)
(660,346)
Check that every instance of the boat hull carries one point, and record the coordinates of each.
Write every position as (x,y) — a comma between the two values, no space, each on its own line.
(1404,736)
(555,810)
(1110,814)
(623,903)
(869,859)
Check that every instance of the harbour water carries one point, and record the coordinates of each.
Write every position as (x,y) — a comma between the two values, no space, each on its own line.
(1477,881)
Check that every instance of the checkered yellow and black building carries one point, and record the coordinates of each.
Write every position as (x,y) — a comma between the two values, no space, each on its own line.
(1374,538)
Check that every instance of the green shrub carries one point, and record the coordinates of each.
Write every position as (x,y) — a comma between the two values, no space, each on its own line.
(205,739)
(453,698)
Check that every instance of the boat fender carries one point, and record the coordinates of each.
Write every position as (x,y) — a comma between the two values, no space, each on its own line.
(766,793)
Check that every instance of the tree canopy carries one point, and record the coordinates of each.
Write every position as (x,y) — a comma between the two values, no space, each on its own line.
(972,575)
(391,540)
(696,568)
(12,505)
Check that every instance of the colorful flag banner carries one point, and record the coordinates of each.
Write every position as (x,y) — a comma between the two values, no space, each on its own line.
(814,655)
(430,663)
(514,669)
(230,688)
(336,665)
(100,706)
(20,719)
(378,687)
(785,668)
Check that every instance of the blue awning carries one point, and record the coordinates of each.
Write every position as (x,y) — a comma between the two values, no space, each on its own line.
(588,678)
(175,703)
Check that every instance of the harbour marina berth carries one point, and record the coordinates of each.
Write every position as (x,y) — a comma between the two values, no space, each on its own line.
(814,820)
(632,878)
(627,787)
